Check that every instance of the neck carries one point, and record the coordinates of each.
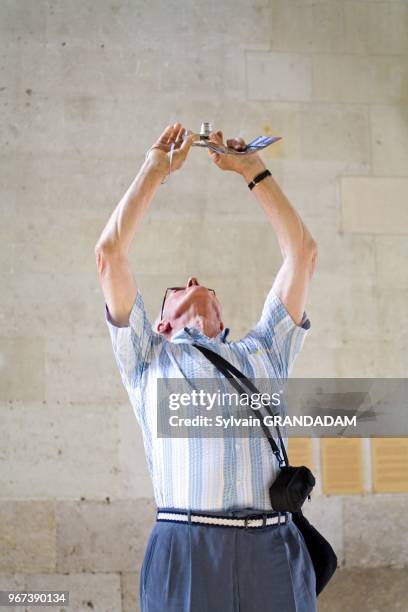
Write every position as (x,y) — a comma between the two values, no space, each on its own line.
(206,326)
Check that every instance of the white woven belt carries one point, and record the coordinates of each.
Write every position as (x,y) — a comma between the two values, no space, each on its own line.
(225,521)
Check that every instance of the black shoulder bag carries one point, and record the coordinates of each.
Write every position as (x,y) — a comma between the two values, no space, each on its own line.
(291,487)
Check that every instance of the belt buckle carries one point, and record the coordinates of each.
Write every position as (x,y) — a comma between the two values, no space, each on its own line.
(251,517)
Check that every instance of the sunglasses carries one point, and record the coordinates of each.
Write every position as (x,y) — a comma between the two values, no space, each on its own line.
(170,289)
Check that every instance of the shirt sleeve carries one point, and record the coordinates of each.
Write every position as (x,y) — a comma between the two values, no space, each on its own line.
(278,335)
(132,345)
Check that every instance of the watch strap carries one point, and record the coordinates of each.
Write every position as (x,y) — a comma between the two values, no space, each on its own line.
(259,177)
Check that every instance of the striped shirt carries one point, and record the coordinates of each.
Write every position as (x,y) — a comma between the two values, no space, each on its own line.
(204,473)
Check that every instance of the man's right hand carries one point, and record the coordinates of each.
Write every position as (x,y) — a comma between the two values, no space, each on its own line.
(242,164)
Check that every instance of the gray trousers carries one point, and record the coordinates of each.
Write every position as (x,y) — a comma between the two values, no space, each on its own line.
(210,568)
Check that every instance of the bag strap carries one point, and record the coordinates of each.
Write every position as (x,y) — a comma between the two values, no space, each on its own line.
(229,371)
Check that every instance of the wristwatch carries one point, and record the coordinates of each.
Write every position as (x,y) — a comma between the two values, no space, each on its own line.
(259,177)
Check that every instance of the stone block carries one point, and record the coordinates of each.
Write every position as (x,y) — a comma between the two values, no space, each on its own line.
(87,186)
(367,27)
(27,536)
(39,234)
(278,76)
(370,541)
(309,363)
(22,21)
(7,282)
(325,513)
(397,39)
(22,368)
(392,252)
(345,310)
(307,27)
(107,536)
(206,245)
(10,75)
(342,293)
(13,582)
(351,258)
(375,358)
(392,309)
(43,451)
(68,304)
(312,186)
(75,67)
(135,26)
(365,590)
(377,28)
(375,79)
(389,139)
(130,591)
(314,195)
(100,592)
(72,360)
(34,123)
(135,479)
(374,205)
(336,132)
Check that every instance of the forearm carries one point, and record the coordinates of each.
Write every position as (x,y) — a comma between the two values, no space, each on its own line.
(293,236)
(126,218)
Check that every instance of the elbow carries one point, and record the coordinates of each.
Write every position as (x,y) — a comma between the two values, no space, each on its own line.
(104,248)
(310,247)
(100,256)
(103,253)
(305,256)
(310,255)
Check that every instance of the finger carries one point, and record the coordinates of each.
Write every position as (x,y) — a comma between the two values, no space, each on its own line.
(216,137)
(238,139)
(168,130)
(236,143)
(214,156)
(173,132)
(187,142)
(180,135)
(164,136)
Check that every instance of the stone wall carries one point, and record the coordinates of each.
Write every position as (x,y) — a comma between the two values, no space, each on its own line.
(85,88)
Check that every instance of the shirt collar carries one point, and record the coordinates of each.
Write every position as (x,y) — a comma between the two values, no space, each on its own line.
(192,334)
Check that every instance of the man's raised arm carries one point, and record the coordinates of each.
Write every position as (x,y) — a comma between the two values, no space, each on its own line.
(112,249)
(298,248)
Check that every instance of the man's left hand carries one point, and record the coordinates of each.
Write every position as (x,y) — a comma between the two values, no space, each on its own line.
(159,154)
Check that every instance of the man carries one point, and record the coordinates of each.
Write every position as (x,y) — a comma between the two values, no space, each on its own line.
(204,554)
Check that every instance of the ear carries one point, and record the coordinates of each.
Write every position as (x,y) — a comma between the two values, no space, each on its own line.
(221,325)
(163,327)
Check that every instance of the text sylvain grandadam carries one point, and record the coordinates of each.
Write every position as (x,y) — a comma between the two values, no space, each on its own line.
(268,420)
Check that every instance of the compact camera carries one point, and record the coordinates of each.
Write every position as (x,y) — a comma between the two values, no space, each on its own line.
(260,142)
